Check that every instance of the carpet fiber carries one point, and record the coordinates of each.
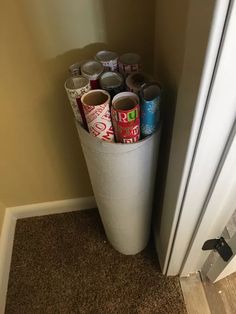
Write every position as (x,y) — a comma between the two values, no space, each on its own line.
(64,264)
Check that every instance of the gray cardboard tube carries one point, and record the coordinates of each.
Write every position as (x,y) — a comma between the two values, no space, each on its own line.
(122,177)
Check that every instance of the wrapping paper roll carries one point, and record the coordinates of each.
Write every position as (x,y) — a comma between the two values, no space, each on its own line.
(126,117)
(112,82)
(126,94)
(92,70)
(96,104)
(75,88)
(129,62)
(150,108)
(134,81)
(109,59)
(74,69)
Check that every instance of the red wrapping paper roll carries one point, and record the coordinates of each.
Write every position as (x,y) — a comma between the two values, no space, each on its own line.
(126,117)
(109,59)
(96,105)
(129,63)
(134,81)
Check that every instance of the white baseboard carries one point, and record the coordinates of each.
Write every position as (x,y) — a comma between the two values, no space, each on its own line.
(32,210)
(6,246)
(55,207)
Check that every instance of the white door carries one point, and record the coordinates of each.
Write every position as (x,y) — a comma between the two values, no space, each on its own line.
(218,131)
(179,241)
(219,211)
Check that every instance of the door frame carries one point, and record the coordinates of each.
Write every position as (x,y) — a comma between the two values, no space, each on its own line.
(219,207)
(206,143)
(217,137)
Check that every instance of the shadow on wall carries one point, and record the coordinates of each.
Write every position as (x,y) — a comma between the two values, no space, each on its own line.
(59,110)
(43,145)
(124,28)
(130,27)
(57,107)
(169,57)
(61,128)
(56,35)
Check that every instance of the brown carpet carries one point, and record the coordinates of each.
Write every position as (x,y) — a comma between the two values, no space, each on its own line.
(64,264)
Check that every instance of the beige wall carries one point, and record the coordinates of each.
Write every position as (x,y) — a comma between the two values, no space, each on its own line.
(171,21)
(41,159)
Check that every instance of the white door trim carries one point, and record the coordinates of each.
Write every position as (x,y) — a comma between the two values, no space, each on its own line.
(178,243)
(218,122)
(213,135)
(219,207)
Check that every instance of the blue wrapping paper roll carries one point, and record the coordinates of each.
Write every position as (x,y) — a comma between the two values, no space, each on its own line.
(150,108)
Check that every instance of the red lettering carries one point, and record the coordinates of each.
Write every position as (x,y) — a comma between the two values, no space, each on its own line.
(127,140)
(107,116)
(88,108)
(135,130)
(94,132)
(100,126)
(134,67)
(122,117)
(109,134)
(136,138)
(97,128)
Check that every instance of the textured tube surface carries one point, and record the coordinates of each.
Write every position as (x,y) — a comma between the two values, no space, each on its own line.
(123,178)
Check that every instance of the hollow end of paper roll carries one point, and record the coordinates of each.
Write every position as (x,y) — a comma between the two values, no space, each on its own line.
(95,98)
(151,92)
(137,79)
(75,67)
(111,79)
(124,104)
(106,55)
(76,82)
(92,69)
(125,95)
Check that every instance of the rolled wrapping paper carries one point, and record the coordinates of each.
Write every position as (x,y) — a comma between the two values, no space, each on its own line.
(150,108)
(74,69)
(75,88)
(96,104)
(134,81)
(129,62)
(109,59)
(112,82)
(92,70)
(126,117)
(126,95)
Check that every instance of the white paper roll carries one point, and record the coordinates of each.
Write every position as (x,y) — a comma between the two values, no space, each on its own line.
(123,179)
(75,88)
